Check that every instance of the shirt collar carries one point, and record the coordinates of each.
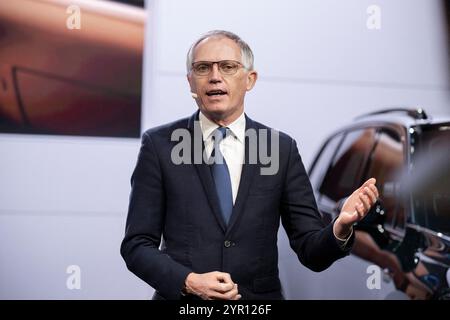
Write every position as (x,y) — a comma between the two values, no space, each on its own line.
(237,127)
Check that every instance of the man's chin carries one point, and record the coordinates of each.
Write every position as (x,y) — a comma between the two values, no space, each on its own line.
(217,113)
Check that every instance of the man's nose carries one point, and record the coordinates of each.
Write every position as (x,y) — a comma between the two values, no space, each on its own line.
(215,75)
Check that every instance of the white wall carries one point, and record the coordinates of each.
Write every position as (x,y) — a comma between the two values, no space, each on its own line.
(63,200)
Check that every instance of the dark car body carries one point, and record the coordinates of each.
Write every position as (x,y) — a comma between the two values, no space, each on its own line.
(407,232)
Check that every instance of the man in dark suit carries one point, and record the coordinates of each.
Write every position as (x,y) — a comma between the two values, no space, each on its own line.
(208,229)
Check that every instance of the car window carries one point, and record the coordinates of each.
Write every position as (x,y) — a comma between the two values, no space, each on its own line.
(386,165)
(322,162)
(346,170)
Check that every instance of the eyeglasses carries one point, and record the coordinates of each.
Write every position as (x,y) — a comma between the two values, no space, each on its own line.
(226,67)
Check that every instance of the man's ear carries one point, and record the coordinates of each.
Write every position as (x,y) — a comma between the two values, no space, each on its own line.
(251,79)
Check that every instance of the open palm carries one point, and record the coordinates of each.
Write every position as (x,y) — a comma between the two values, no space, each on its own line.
(359,203)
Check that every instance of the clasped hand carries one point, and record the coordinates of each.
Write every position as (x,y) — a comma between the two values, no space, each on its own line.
(212,286)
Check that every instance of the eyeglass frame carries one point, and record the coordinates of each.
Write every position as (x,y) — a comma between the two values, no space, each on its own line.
(241,65)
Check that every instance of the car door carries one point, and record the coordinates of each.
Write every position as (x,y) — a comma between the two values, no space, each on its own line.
(337,171)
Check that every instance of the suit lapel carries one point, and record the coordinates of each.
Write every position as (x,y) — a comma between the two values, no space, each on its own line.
(204,171)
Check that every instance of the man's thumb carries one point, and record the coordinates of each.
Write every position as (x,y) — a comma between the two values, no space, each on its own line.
(369,181)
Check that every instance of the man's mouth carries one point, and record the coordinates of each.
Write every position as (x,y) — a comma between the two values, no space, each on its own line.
(215,93)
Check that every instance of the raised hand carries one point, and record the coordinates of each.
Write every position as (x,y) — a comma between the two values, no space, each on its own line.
(356,207)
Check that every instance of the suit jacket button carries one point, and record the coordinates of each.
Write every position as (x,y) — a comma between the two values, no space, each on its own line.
(227,243)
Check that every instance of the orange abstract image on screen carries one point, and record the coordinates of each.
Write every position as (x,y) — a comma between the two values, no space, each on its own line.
(71,68)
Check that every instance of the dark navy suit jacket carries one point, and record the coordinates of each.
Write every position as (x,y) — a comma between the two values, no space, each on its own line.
(178,203)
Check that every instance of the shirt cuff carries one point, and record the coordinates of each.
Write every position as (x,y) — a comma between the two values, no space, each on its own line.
(343,242)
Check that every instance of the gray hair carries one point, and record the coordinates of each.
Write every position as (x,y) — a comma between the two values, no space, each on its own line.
(246,52)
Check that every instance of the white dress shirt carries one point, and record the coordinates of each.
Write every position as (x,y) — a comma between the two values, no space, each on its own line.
(232,147)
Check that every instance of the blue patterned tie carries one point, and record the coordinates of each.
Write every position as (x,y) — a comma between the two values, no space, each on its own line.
(221,175)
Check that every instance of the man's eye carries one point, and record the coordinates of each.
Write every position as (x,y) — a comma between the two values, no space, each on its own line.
(227,66)
(202,67)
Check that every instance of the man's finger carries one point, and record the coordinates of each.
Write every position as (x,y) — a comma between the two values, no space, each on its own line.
(370,194)
(365,201)
(224,282)
(360,210)
(374,190)
(224,277)
(367,183)
(232,294)
(222,287)
(224,296)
